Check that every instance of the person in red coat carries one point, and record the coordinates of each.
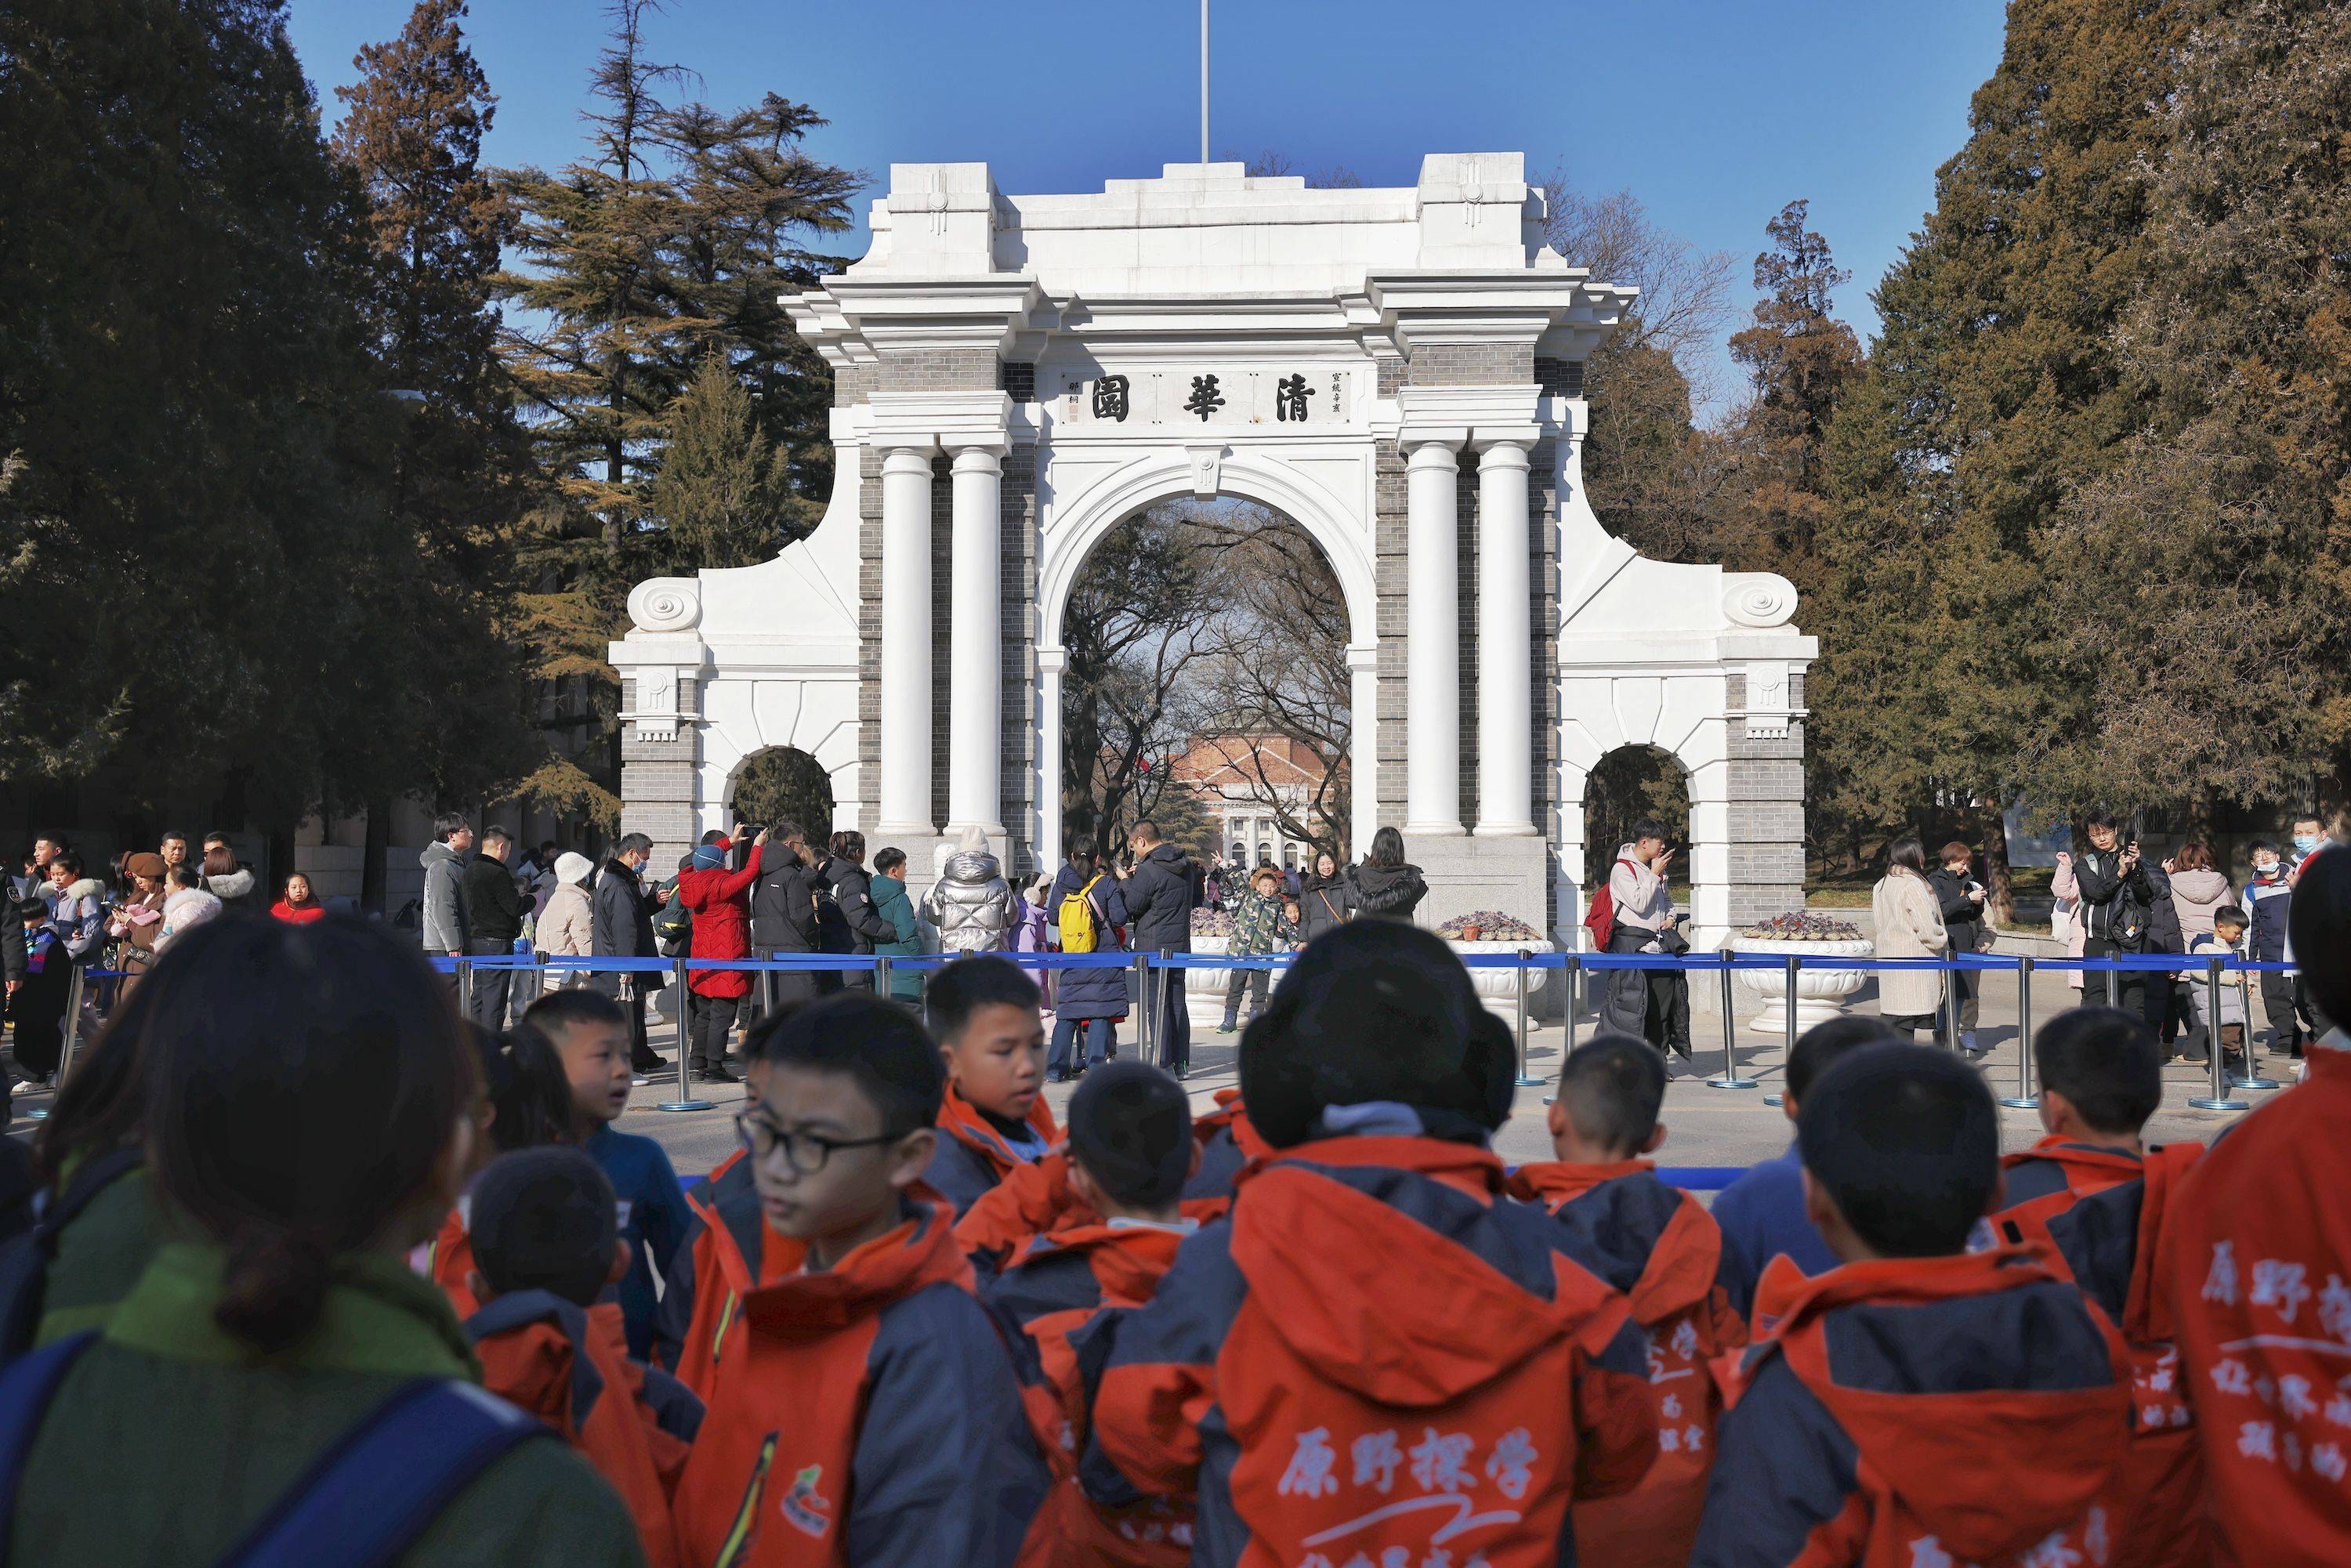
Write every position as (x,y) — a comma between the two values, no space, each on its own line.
(720,901)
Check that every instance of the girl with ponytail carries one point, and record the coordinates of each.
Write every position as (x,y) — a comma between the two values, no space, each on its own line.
(311,1112)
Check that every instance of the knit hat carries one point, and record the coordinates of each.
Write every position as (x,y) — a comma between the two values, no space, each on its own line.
(1374,1010)
(571,867)
(144,863)
(709,857)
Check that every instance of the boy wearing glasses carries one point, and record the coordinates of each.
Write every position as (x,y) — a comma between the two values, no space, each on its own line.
(864,1409)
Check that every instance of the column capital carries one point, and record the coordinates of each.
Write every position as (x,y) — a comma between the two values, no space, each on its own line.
(978,458)
(1504,446)
(907,458)
(1427,446)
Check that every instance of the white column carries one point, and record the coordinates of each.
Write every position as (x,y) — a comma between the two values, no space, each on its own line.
(905,791)
(1364,745)
(1431,645)
(1050,662)
(975,680)
(1504,692)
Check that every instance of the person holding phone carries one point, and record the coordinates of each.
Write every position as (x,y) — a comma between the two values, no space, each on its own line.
(1651,1003)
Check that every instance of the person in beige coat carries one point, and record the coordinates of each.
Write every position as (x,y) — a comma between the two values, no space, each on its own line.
(1909,926)
(567,924)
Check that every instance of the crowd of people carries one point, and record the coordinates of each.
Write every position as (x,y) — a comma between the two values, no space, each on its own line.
(916,1318)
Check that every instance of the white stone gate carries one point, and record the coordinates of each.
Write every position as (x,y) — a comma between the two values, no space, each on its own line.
(1398,372)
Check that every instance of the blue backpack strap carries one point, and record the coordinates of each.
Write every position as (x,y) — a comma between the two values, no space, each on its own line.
(26,1386)
(24,1260)
(369,1497)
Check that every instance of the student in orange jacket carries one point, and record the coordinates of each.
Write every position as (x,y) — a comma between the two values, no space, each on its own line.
(527,1103)
(994,1117)
(1378,1356)
(546,1241)
(866,1412)
(1919,1406)
(1130,1150)
(2095,1200)
(1666,1256)
(2261,1278)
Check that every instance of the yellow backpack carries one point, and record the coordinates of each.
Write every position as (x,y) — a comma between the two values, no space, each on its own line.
(1078,933)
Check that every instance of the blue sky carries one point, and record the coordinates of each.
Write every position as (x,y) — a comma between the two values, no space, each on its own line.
(1714,113)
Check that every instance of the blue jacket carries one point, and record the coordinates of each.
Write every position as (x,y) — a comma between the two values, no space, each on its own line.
(1762,1215)
(1091,993)
(657,1220)
(2266,904)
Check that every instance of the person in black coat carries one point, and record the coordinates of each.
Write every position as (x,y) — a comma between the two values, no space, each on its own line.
(783,916)
(1326,898)
(1087,1003)
(1386,883)
(852,891)
(621,927)
(1159,893)
(2121,901)
(492,905)
(1961,899)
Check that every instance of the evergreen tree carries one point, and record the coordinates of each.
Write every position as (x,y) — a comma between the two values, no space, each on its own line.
(2207,569)
(724,497)
(1993,392)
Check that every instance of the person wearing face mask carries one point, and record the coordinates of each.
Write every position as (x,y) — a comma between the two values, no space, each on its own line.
(2310,836)
(2265,901)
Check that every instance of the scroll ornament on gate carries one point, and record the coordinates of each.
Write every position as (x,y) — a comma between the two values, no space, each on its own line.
(1758,599)
(666,605)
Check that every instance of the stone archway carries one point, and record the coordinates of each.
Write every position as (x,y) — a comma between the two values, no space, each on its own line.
(1398,371)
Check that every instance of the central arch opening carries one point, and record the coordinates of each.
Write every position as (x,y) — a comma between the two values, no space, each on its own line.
(1207,686)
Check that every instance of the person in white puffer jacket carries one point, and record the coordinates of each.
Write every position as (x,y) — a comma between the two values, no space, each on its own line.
(971,903)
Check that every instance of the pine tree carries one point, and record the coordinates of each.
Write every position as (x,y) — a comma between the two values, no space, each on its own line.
(724,497)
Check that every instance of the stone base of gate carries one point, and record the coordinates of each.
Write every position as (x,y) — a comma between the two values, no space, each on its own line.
(1465,873)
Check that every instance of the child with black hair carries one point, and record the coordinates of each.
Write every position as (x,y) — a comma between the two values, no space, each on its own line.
(983,1011)
(1378,1355)
(1920,1405)
(1761,1213)
(588,1033)
(1664,1252)
(2226,940)
(2259,1252)
(865,1410)
(2095,1200)
(1131,1151)
(546,1244)
(526,1103)
(277,1388)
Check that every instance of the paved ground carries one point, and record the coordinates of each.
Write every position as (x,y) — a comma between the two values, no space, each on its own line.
(1705,1127)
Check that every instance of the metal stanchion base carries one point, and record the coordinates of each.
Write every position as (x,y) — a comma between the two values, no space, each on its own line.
(2206,1102)
(1775,1101)
(685,1106)
(34,1115)
(2254,1084)
(2020,1103)
(1730,1083)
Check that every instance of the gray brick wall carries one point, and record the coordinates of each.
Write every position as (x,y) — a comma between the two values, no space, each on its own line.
(942,631)
(1019,379)
(1390,540)
(1542,655)
(1765,789)
(866,811)
(941,369)
(851,384)
(1019,554)
(1464,547)
(1472,365)
(657,777)
(1560,378)
(1390,367)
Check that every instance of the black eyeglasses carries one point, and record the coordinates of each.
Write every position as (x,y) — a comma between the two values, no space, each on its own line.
(804,1152)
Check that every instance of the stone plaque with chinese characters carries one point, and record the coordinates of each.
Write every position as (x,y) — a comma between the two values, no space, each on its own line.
(1274,396)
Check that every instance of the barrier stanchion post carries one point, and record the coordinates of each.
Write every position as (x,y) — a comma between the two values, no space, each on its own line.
(72,1037)
(2024,1098)
(1730,1077)
(1788,1026)
(1575,989)
(2114,987)
(2247,1078)
(1526,1079)
(882,976)
(2219,1099)
(684,1101)
(1143,1006)
(464,985)
(1951,1002)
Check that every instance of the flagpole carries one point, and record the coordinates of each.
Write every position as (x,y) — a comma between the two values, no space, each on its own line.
(1204,80)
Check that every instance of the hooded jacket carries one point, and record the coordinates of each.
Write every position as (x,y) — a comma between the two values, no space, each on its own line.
(726,1251)
(566,1364)
(1053,1289)
(1035,1201)
(1393,890)
(1666,1255)
(2195,896)
(2097,1215)
(2259,1261)
(972,1155)
(1445,1381)
(720,902)
(1919,1412)
(567,924)
(783,905)
(871,1414)
(970,903)
(443,926)
(852,894)
(1230,1148)
(185,909)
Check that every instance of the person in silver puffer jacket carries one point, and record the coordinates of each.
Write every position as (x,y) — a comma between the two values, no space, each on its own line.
(971,903)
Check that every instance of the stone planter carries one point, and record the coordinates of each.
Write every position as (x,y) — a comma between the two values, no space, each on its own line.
(1821,986)
(1498,988)
(1209,983)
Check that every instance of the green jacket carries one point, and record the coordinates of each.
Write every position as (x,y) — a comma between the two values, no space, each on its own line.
(170,1437)
(890,901)
(100,1256)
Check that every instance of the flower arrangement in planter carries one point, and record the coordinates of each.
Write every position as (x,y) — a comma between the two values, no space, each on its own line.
(1206,922)
(1803,925)
(1488,926)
